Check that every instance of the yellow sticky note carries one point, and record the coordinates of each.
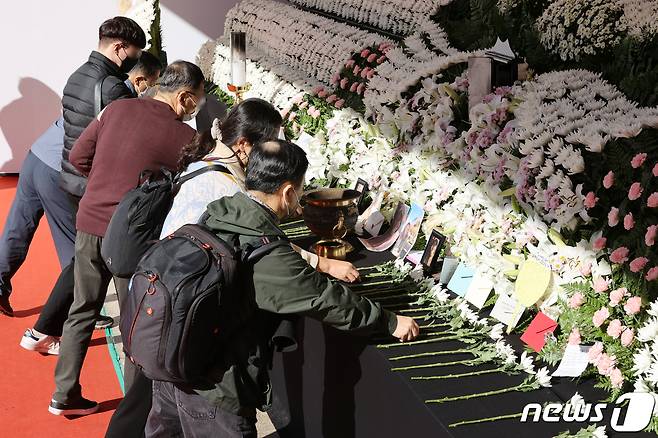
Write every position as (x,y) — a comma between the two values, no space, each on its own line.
(532,281)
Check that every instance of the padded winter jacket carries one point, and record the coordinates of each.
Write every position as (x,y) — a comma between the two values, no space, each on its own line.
(78,108)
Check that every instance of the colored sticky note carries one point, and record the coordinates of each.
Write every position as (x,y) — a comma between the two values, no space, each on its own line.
(479,290)
(532,281)
(461,279)
(507,310)
(535,335)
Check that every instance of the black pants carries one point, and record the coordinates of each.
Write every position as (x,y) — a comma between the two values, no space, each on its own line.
(129,419)
(178,412)
(56,310)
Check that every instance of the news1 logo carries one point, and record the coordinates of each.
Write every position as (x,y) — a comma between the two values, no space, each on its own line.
(638,412)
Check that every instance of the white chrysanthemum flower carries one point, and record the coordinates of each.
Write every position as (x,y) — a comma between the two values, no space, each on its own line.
(599,432)
(497,332)
(505,352)
(543,377)
(649,332)
(526,362)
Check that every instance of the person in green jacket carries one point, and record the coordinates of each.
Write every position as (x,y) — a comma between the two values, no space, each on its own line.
(225,403)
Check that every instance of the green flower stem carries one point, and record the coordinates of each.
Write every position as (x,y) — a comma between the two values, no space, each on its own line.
(486,420)
(376,283)
(369,268)
(457,376)
(398,296)
(293,222)
(467,362)
(384,291)
(421,309)
(432,353)
(434,325)
(424,341)
(297,229)
(475,395)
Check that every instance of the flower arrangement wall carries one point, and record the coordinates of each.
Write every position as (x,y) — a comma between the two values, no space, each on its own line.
(147,14)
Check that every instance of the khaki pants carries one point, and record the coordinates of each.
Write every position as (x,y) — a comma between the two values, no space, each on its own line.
(91,281)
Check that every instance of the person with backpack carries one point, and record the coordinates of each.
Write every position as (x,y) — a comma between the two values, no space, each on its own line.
(223,153)
(129,137)
(44,336)
(222,401)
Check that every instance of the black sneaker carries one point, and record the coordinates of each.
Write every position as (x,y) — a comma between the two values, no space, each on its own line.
(103,322)
(80,407)
(5,307)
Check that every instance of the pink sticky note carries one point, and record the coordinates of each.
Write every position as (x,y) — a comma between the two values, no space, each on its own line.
(535,335)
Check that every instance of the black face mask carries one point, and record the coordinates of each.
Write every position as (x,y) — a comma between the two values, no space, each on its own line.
(128,64)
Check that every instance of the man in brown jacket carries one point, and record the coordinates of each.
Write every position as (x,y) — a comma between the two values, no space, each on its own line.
(128,137)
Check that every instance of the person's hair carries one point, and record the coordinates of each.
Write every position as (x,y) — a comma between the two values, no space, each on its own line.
(124,29)
(181,75)
(274,163)
(148,65)
(254,120)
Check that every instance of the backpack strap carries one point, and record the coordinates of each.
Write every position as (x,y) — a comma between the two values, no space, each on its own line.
(98,96)
(251,253)
(214,167)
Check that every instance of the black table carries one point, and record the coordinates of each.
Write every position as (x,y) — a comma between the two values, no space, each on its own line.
(337,385)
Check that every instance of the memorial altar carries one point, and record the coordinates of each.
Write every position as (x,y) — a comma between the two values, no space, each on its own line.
(516,143)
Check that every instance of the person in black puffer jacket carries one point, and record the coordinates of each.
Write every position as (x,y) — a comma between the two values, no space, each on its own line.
(120,44)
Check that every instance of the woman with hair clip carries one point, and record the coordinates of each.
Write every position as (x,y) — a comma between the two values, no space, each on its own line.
(227,144)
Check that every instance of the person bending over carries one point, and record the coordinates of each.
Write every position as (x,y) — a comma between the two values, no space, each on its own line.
(283,284)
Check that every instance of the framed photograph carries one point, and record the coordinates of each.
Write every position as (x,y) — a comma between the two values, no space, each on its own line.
(361,187)
(432,251)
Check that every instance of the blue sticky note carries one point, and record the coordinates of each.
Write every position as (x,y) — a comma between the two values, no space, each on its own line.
(461,279)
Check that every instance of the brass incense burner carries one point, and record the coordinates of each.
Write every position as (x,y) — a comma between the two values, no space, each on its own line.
(331,214)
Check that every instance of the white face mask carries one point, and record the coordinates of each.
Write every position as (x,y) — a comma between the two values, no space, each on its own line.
(189,116)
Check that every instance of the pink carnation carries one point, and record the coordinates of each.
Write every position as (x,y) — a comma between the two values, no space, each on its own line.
(601,284)
(594,353)
(381,59)
(635,191)
(344,82)
(655,170)
(350,63)
(638,160)
(629,222)
(620,255)
(609,179)
(303,105)
(590,200)
(627,337)
(357,69)
(617,295)
(364,73)
(615,328)
(335,78)
(365,53)
(599,243)
(613,217)
(372,57)
(574,337)
(650,236)
(339,104)
(638,264)
(323,93)
(354,86)
(360,88)
(606,364)
(332,98)
(633,305)
(576,300)
(600,316)
(616,378)
(652,274)
(652,202)
(586,268)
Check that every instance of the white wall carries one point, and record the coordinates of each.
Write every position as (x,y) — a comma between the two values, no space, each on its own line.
(43,42)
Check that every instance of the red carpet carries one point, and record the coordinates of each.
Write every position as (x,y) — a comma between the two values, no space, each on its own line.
(27,378)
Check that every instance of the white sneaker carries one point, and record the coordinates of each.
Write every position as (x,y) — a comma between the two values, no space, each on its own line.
(44,344)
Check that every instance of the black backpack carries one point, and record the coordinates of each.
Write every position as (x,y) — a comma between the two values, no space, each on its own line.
(187,295)
(138,219)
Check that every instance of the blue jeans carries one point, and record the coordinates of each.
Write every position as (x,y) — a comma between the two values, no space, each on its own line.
(37,192)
